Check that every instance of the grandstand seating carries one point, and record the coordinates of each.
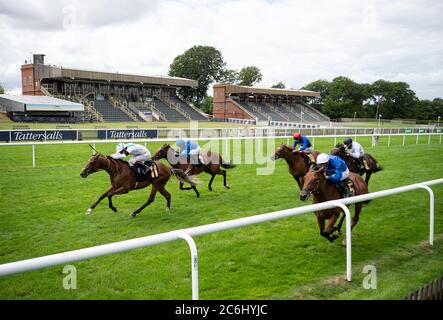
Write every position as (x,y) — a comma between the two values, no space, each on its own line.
(283,112)
(170,114)
(253,111)
(194,114)
(110,113)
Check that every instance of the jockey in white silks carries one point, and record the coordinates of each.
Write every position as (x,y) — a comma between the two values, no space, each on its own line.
(355,150)
(139,154)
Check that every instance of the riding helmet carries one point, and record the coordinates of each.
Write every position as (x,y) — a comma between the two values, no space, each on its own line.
(347,141)
(297,136)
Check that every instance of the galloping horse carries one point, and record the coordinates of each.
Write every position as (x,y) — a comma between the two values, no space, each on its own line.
(123,180)
(213,162)
(339,150)
(325,190)
(296,162)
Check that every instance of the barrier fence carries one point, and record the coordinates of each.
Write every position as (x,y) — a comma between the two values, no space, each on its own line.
(374,137)
(165,133)
(189,233)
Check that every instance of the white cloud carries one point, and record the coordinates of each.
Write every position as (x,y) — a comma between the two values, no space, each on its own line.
(291,41)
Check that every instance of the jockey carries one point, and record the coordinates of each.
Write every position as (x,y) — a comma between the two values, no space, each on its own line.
(355,150)
(139,154)
(305,145)
(336,171)
(189,150)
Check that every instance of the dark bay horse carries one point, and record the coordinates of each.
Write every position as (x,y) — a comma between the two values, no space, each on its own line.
(123,180)
(352,164)
(296,162)
(324,190)
(212,166)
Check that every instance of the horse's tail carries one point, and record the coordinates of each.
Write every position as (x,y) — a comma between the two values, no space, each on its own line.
(226,164)
(183,177)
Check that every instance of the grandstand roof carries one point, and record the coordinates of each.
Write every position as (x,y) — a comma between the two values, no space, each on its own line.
(37,103)
(236,89)
(53,72)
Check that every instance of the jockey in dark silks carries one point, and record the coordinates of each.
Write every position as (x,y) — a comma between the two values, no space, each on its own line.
(305,145)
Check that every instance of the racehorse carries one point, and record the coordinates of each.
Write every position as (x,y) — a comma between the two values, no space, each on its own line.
(297,163)
(124,180)
(352,164)
(324,190)
(213,162)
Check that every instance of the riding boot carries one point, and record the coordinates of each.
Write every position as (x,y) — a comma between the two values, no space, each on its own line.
(345,188)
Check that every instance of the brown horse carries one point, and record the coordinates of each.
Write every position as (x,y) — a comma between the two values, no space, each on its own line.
(123,180)
(213,162)
(296,162)
(340,151)
(325,190)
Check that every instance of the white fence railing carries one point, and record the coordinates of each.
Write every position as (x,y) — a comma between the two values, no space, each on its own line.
(187,234)
(145,141)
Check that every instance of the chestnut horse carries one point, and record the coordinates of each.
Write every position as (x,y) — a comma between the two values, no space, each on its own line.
(123,180)
(213,162)
(352,164)
(296,162)
(324,190)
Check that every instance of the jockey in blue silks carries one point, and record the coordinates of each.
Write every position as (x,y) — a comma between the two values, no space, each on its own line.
(336,171)
(189,150)
(305,144)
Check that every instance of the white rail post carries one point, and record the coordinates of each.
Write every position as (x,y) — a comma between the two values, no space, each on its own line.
(416,140)
(33,155)
(429,139)
(348,239)
(389,141)
(404,137)
(431,213)
(93,151)
(194,262)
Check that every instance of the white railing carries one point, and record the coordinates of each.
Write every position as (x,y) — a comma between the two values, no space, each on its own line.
(145,141)
(187,234)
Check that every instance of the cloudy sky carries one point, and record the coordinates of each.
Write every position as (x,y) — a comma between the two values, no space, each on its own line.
(292,41)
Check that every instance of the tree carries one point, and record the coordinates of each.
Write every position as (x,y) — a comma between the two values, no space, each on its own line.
(344,98)
(392,99)
(229,76)
(248,76)
(206,105)
(202,63)
(279,85)
(321,86)
(2,90)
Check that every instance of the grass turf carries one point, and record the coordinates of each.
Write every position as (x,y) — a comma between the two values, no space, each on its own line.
(43,210)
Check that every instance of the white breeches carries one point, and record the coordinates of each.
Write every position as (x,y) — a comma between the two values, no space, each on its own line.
(193,155)
(345,175)
(140,158)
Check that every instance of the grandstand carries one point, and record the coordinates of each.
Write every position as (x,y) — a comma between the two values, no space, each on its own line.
(110,97)
(265,104)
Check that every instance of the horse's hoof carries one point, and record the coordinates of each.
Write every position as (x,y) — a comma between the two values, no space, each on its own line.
(343,243)
(114,209)
(133,215)
(227,187)
(89,211)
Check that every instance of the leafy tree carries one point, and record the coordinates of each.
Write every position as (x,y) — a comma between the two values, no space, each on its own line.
(279,85)
(344,98)
(392,99)
(250,75)
(206,105)
(321,86)
(2,90)
(229,76)
(202,63)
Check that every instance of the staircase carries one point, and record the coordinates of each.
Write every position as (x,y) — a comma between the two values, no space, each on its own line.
(118,104)
(110,113)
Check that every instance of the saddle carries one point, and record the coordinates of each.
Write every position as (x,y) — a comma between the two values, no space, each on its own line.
(308,158)
(341,185)
(145,172)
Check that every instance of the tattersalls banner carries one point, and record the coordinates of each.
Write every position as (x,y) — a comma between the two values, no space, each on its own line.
(126,134)
(38,135)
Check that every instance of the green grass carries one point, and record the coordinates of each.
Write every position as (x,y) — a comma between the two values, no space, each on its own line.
(43,212)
